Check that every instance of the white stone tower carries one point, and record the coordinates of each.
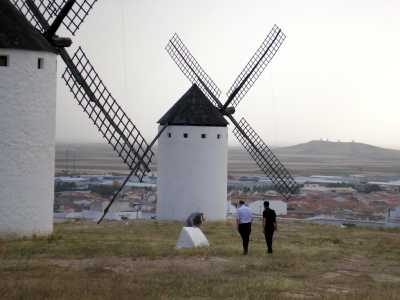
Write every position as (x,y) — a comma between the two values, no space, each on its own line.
(27,126)
(192,160)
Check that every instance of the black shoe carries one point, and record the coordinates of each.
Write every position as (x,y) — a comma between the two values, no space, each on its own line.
(245,252)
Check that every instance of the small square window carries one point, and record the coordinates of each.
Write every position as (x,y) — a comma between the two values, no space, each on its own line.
(40,63)
(218,136)
(169,134)
(185,135)
(203,135)
(3,61)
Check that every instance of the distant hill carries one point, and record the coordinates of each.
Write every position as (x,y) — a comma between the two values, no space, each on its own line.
(345,149)
(315,157)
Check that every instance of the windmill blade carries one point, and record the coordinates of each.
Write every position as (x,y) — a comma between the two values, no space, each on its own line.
(255,66)
(24,8)
(80,10)
(265,159)
(133,171)
(106,114)
(50,9)
(192,69)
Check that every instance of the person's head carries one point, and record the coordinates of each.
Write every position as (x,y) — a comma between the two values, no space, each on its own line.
(203,218)
(266,204)
(241,202)
(198,219)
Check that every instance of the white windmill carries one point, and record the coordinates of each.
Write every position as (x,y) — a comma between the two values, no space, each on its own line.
(192,159)
(28,72)
(28,55)
(192,152)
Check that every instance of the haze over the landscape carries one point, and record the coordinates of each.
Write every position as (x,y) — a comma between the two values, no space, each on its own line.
(314,157)
(335,77)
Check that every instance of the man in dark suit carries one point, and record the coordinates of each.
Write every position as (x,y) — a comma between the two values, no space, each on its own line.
(269,225)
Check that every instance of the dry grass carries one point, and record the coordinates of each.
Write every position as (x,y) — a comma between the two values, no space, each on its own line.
(138,261)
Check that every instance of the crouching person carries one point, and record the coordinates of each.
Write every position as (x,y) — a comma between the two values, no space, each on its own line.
(191,235)
(195,219)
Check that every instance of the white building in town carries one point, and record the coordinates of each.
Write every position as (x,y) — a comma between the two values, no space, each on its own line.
(315,187)
(279,206)
(393,216)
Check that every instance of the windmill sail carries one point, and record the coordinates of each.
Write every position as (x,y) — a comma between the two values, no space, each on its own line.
(24,8)
(49,10)
(192,69)
(265,159)
(106,114)
(255,66)
(257,149)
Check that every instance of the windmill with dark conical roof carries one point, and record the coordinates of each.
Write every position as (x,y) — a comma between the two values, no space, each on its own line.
(192,159)
(29,47)
(192,156)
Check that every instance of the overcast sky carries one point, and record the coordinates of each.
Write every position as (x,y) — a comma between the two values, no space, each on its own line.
(335,77)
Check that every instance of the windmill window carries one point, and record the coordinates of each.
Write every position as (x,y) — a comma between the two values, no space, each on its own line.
(203,135)
(169,134)
(3,61)
(40,63)
(185,135)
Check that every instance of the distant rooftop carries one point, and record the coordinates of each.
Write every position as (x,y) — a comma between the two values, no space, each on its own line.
(17,33)
(193,109)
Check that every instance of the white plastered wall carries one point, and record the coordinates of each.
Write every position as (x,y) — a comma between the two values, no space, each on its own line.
(27,142)
(192,172)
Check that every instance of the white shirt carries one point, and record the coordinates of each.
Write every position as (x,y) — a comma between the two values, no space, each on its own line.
(244,214)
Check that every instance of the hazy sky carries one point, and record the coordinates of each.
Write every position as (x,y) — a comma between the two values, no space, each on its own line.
(335,77)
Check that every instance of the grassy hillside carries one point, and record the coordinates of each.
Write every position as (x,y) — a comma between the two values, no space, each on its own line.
(138,261)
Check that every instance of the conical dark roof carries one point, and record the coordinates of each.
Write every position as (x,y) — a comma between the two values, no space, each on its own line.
(193,109)
(17,33)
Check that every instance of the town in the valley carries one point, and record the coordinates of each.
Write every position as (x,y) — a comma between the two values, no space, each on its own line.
(353,199)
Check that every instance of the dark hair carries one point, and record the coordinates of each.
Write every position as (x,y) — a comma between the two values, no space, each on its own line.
(241,202)
(266,204)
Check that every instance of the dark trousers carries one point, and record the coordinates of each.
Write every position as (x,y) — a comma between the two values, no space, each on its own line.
(245,230)
(269,234)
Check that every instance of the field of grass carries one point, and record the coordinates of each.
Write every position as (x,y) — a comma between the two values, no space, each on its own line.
(138,261)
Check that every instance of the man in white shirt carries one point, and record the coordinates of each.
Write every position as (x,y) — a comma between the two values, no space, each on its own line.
(243,221)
